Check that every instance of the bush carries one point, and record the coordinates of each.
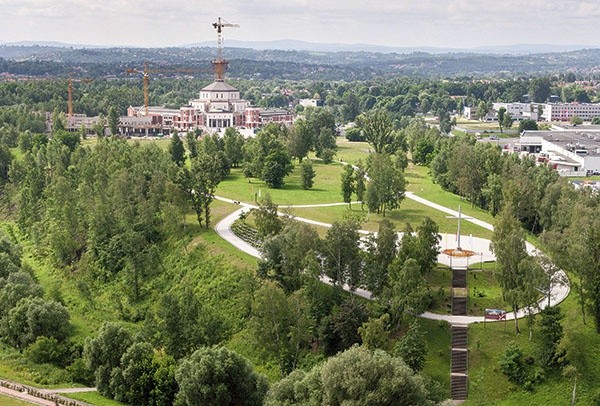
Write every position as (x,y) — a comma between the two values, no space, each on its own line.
(512,364)
(47,350)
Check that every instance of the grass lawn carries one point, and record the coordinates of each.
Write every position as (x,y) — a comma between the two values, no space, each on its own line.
(8,401)
(93,398)
(421,184)
(326,187)
(351,152)
(409,212)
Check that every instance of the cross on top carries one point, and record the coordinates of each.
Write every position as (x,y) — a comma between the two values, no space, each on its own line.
(459,218)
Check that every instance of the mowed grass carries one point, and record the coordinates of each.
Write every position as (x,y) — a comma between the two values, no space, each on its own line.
(421,184)
(410,212)
(93,398)
(351,152)
(8,401)
(326,188)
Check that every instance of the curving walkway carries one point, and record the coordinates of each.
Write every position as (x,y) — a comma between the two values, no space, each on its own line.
(479,245)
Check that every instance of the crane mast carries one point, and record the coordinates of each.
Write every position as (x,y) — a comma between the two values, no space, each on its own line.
(220,64)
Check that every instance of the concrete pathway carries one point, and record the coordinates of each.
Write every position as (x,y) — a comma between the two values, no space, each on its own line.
(479,245)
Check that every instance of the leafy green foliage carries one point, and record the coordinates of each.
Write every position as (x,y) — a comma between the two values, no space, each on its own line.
(307,174)
(177,150)
(412,347)
(219,376)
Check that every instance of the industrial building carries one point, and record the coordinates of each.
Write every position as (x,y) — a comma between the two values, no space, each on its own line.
(571,153)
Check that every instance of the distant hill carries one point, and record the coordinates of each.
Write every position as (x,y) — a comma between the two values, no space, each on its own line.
(297,45)
(297,64)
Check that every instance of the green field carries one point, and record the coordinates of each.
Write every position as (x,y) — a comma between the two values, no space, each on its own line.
(410,212)
(8,401)
(326,187)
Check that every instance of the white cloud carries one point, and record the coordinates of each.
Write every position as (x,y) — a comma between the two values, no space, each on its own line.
(400,22)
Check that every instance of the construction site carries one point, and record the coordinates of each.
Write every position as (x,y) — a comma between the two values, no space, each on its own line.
(218,106)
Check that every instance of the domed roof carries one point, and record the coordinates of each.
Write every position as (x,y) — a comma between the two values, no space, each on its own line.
(219,87)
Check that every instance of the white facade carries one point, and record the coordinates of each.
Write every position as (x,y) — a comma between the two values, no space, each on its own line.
(519,111)
(564,111)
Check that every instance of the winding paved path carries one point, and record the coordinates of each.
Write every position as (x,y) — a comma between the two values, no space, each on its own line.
(479,245)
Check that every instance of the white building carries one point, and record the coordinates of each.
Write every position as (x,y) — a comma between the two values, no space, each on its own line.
(519,111)
(571,153)
(564,111)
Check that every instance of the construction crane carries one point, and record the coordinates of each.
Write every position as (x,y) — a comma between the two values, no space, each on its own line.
(70,94)
(220,64)
(146,75)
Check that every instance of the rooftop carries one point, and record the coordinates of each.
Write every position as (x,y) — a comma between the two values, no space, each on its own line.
(219,87)
(588,140)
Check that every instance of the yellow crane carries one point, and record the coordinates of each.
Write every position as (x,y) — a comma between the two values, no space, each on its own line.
(70,93)
(146,75)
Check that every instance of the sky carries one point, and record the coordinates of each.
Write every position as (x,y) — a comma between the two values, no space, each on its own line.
(397,23)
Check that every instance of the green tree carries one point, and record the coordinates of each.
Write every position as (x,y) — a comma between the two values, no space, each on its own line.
(379,253)
(113,121)
(233,146)
(281,325)
(340,329)
(348,184)
(58,121)
(307,174)
(266,219)
(378,129)
(341,254)
(508,244)
(375,332)
(360,185)
(360,376)
(177,150)
(99,126)
(501,115)
(300,140)
(408,289)
(527,125)
(387,185)
(507,121)
(192,143)
(512,364)
(539,89)
(277,165)
(551,332)
(132,381)
(287,254)
(103,353)
(218,376)
(412,347)
(184,323)
(34,317)
(199,184)
(576,120)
